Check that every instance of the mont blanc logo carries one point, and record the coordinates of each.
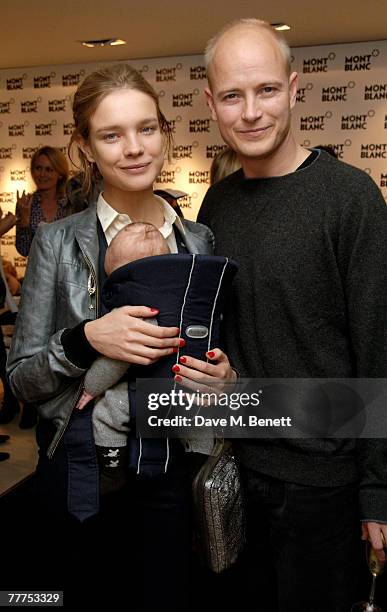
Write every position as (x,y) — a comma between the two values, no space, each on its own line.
(8,240)
(197,73)
(199,125)
(17,175)
(172,124)
(374,151)
(356,122)
(56,106)
(336,93)
(184,99)
(44,129)
(30,106)
(314,122)
(20,262)
(182,152)
(68,129)
(378,91)
(360,62)
(17,129)
(213,150)
(301,92)
(6,152)
(28,152)
(317,64)
(43,81)
(16,82)
(166,176)
(339,147)
(6,197)
(383,179)
(186,201)
(5,107)
(167,73)
(199,176)
(72,78)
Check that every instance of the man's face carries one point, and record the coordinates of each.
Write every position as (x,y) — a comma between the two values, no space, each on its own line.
(251,94)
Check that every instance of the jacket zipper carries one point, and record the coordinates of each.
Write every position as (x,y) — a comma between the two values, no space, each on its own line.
(92,288)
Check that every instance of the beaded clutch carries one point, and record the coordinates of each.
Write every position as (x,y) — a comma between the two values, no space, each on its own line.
(218,507)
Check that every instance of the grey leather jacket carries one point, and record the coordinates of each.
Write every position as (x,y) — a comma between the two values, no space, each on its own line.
(60,290)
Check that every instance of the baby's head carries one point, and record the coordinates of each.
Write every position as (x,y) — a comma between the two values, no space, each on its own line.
(134,241)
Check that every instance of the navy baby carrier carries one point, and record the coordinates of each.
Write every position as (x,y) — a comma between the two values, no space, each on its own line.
(189,292)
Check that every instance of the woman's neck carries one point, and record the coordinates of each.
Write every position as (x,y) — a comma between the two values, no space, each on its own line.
(48,195)
(138,205)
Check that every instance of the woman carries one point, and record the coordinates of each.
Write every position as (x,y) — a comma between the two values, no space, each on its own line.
(49,170)
(122,136)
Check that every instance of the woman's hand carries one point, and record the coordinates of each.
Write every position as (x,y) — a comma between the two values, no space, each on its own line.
(122,334)
(201,375)
(23,207)
(6,222)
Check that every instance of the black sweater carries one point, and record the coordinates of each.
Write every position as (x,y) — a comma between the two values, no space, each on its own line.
(310,300)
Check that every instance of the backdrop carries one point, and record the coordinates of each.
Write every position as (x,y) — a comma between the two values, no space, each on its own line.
(341,102)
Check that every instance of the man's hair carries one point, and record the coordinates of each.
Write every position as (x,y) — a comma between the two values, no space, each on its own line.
(252,23)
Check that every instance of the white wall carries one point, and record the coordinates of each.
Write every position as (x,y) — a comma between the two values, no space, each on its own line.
(342,102)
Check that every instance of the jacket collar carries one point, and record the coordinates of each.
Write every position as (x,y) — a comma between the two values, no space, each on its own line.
(86,233)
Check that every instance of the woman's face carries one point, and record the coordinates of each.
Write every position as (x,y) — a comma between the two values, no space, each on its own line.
(125,141)
(44,174)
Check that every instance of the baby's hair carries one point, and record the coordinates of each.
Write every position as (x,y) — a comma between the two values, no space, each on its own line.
(134,241)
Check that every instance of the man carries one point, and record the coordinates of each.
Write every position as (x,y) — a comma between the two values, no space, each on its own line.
(310,236)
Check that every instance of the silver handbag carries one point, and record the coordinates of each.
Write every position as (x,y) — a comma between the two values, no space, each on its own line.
(218,509)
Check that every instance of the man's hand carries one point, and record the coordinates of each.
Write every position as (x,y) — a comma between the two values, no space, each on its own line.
(376,533)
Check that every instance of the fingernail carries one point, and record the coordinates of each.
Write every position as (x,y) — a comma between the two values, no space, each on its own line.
(211,354)
(183,359)
(154,309)
(178,378)
(175,368)
(175,350)
(181,342)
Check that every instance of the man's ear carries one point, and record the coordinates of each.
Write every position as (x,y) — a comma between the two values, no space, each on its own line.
(85,148)
(210,103)
(293,87)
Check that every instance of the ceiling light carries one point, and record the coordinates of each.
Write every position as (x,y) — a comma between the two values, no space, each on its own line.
(281,27)
(103,42)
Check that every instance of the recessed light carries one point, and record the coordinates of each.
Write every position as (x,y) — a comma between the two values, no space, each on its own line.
(103,42)
(281,27)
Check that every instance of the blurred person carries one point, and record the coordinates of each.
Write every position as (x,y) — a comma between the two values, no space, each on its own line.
(10,405)
(224,163)
(49,170)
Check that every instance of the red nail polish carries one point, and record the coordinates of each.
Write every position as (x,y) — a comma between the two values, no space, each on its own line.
(154,309)
(178,378)
(181,342)
(175,350)
(183,359)
(211,354)
(175,368)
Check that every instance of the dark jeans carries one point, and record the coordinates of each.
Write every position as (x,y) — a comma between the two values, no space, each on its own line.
(303,545)
(136,551)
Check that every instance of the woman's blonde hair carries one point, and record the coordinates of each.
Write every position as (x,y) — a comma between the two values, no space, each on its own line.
(224,163)
(87,98)
(59,163)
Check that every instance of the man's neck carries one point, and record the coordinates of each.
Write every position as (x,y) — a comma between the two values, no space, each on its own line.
(285,160)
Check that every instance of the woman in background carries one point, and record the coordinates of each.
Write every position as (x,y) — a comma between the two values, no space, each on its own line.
(49,170)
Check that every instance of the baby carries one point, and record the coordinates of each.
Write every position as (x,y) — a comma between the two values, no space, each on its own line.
(111,412)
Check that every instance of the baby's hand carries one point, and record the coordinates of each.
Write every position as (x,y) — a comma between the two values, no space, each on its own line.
(84,400)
